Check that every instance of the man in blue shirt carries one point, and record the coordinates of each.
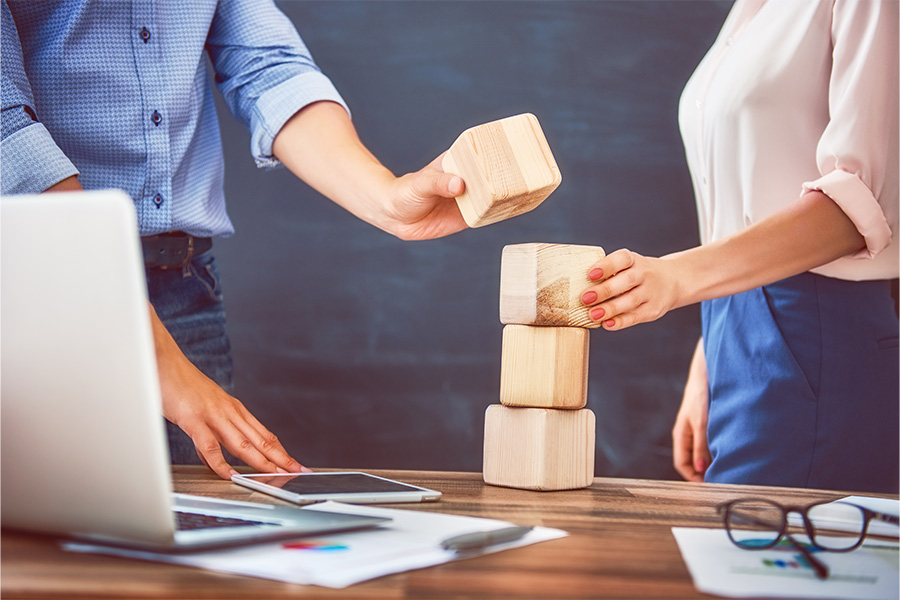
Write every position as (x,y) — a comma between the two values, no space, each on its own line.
(103,94)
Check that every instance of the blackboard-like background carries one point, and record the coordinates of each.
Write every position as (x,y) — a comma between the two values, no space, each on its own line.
(360,350)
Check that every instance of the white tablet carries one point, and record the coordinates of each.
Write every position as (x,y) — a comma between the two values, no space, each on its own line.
(350,487)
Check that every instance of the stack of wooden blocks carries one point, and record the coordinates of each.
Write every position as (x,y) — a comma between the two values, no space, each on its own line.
(541,436)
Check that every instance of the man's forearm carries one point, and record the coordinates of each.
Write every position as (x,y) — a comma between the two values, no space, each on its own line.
(320,145)
(69,184)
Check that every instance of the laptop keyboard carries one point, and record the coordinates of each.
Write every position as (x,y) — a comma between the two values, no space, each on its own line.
(186,521)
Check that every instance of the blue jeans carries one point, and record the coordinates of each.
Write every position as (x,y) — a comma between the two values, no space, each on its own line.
(803,380)
(189,303)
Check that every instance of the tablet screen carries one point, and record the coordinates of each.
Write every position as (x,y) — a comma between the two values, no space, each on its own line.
(335,483)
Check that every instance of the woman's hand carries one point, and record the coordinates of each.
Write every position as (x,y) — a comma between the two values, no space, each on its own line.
(631,289)
(690,451)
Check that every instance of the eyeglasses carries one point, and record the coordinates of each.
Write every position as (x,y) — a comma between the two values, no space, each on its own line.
(758,524)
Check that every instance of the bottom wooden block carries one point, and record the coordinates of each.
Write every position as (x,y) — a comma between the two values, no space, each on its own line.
(538,448)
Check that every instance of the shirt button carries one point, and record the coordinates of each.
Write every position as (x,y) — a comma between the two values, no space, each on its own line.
(699,104)
(145,34)
(730,41)
(158,200)
(156,118)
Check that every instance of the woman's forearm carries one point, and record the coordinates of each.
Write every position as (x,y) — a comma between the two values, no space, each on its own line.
(813,231)
(630,288)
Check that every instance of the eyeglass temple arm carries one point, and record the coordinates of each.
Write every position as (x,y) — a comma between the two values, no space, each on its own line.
(874,514)
(817,565)
(886,517)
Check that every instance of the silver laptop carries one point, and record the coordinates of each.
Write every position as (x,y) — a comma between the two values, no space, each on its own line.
(84,449)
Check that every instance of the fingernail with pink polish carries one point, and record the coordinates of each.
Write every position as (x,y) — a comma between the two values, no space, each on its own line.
(589,297)
(595,274)
(597,314)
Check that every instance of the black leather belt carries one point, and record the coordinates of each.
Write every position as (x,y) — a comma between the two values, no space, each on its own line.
(172,249)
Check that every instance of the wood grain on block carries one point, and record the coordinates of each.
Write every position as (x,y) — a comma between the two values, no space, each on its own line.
(541,284)
(507,166)
(538,448)
(544,367)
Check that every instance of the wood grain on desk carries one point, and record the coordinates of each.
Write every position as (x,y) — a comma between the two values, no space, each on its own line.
(620,546)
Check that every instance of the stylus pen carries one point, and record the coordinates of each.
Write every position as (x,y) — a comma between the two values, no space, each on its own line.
(482,539)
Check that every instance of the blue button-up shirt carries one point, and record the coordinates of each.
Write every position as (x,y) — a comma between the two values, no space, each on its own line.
(118,92)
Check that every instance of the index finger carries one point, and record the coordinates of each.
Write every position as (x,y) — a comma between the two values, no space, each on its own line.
(611,264)
(248,440)
(209,451)
(265,440)
(267,446)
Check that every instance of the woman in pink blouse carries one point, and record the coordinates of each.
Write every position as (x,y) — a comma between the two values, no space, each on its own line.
(790,127)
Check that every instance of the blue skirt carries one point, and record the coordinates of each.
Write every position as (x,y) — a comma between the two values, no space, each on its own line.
(804,382)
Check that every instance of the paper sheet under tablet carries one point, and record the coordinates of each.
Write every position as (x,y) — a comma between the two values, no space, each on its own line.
(410,541)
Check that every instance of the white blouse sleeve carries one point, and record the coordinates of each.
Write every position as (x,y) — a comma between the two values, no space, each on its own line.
(857,154)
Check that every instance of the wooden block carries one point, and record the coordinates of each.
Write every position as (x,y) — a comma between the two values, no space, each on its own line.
(544,367)
(538,448)
(507,166)
(541,284)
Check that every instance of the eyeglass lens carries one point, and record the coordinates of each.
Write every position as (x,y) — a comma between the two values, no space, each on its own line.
(754,523)
(837,526)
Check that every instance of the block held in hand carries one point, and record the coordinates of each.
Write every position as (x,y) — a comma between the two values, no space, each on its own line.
(507,166)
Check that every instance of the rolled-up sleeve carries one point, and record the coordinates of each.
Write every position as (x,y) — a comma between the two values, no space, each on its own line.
(857,154)
(30,161)
(264,71)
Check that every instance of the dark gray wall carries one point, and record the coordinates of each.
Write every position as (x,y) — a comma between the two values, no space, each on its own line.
(360,350)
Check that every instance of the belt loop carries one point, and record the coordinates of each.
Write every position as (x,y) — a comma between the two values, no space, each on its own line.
(186,266)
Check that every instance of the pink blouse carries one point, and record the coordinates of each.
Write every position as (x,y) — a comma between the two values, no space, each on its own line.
(799,95)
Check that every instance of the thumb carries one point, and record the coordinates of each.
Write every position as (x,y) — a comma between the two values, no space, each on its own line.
(437,183)
(455,186)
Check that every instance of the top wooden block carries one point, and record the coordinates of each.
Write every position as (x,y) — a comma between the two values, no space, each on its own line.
(541,284)
(507,166)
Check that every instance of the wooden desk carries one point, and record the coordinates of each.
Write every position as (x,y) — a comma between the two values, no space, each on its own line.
(621,546)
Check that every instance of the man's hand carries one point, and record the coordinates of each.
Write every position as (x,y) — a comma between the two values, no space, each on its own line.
(211,417)
(423,204)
